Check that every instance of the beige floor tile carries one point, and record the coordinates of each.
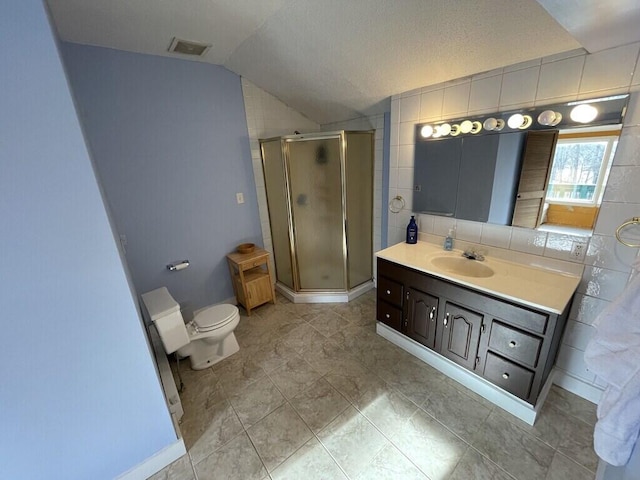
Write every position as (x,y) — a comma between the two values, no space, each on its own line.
(430,446)
(236,460)
(256,401)
(474,466)
(352,441)
(279,435)
(221,428)
(562,468)
(390,464)
(319,405)
(294,377)
(309,462)
(386,408)
(181,469)
(516,451)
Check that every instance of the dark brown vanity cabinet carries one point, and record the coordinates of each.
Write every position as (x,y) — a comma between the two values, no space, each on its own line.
(510,345)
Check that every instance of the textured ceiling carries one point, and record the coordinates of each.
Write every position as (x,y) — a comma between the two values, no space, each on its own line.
(329,59)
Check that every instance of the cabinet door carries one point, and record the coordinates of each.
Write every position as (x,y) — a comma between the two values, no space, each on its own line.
(422,315)
(460,334)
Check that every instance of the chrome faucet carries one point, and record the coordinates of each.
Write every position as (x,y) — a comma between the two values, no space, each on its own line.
(473,255)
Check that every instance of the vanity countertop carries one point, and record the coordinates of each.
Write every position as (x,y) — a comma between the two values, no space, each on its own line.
(533,286)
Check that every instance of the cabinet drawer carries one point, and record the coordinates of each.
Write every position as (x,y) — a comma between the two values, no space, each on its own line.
(390,315)
(390,291)
(508,375)
(514,344)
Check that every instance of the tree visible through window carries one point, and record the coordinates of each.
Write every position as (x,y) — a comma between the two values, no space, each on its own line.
(579,171)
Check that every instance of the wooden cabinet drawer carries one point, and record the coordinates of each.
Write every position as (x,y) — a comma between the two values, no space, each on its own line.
(390,291)
(514,344)
(513,378)
(389,315)
(521,317)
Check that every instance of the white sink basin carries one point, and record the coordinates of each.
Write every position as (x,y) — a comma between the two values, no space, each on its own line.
(463,266)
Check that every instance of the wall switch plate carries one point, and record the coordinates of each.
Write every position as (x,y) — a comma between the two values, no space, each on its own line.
(578,250)
(239,197)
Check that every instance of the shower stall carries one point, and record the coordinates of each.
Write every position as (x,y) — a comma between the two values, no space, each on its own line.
(320,199)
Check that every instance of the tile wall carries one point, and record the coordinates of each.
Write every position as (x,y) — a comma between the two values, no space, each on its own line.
(268,117)
(569,76)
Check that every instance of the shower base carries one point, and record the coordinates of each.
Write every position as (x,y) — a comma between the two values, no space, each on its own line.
(324,297)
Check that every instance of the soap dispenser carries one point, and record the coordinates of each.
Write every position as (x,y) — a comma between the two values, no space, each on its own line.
(448,242)
(412,231)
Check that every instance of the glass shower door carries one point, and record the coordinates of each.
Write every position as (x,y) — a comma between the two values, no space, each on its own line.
(316,203)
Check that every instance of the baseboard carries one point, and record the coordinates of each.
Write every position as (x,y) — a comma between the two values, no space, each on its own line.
(577,386)
(324,297)
(156,462)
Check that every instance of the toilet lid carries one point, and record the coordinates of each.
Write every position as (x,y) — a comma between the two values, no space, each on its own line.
(215,316)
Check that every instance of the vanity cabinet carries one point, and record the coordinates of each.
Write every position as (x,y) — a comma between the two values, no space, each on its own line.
(512,346)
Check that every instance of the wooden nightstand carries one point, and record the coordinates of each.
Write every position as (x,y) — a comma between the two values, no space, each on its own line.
(252,278)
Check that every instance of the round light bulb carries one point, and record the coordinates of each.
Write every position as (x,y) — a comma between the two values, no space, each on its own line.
(490,123)
(455,130)
(584,113)
(547,117)
(444,129)
(500,125)
(515,120)
(466,126)
(477,126)
(436,132)
(426,131)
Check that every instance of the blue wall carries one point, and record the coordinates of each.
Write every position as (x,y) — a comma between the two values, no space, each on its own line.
(170,142)
(79,394)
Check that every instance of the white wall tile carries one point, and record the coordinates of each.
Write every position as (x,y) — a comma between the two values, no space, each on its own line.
(609,69)
(628,151)
(410,108)
(522,65)
(485,94)
(602,283)
(636,73)
(496,235)
(578,334)
(528,241)
(406,156)
(469,231)
(613,215)
(585,309)
(407,133)
(519,87)
(442,225)
(560,79)
(607,252)
(559,246)
(572,360)
(561,56)
(431,105)
(405,178)
(425,223)
(623,184)
(456,100)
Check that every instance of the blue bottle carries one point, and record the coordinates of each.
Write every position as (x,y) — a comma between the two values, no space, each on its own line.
(412,231)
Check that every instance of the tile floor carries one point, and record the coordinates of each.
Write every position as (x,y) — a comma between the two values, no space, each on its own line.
(314,393)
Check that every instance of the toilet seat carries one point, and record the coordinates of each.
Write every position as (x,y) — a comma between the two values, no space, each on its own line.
(214,317)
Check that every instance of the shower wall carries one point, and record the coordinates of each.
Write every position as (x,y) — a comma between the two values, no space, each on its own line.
(320,198)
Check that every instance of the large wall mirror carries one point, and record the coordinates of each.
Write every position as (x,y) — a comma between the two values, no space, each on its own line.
(538,167)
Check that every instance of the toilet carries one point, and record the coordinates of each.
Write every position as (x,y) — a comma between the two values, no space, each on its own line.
(206,340)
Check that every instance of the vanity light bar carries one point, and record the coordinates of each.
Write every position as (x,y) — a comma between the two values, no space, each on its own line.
(599,111)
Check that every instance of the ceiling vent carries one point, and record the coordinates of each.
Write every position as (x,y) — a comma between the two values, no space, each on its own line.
(188,48)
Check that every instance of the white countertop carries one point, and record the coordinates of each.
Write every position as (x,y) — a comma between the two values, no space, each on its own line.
(536,287)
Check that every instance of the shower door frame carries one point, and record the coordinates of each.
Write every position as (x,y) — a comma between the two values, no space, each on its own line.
(295,272)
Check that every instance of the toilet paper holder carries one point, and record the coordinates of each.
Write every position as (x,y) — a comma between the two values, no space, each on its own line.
(178,265)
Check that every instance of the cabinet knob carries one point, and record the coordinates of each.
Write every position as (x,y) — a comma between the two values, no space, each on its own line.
(387,315)
(505,376)
(512,344)
(432,313)
(388,292)
(446,320)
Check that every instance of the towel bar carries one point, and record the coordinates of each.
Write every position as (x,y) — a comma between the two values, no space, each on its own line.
(632,221)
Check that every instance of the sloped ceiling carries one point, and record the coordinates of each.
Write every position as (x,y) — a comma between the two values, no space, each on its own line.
(329,59)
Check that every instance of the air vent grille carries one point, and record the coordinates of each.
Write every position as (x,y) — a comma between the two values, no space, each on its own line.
(188,48)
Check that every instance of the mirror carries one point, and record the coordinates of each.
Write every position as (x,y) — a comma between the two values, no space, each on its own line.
(500,168)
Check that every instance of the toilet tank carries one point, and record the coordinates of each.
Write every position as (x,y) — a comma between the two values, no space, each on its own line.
(165,314)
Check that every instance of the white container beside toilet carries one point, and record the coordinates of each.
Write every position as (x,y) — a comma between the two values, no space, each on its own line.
(206,340)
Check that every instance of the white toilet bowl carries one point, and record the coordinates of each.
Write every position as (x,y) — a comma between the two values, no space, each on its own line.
(206,340)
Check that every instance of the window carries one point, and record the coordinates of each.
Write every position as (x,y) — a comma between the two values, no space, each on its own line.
(580,168)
